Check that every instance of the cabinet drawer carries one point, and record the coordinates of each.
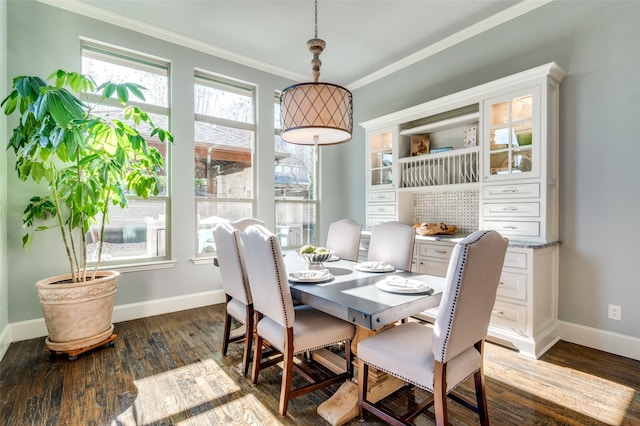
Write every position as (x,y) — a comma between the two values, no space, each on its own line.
(381,196)
(435,250)
(509,317)
(513,286)
(432,267)
(518,229)
(382,209)
(515,260)
(528,190)
(511,209)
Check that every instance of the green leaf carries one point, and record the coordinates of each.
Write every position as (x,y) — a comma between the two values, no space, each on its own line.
(11,102)
(136,89)
(58,111)
(123,93)
(109,89)
(26,241)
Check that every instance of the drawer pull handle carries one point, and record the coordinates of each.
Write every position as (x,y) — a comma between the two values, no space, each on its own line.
(381,209)
(510,209)
(501,283)
(510,227)
(381,197)
(509,191)
(441,251)
(498,312)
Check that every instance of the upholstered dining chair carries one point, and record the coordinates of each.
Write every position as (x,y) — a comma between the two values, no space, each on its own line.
(344,239)
(392,242)
(288,330)
(242,224)
(235,283)
(438,359)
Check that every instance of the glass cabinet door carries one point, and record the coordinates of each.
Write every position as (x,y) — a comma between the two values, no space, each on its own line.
(512,136)
(381,160)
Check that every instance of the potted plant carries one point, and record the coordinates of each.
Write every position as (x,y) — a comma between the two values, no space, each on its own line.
(89,161)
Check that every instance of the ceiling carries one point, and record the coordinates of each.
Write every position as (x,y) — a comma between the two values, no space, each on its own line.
(365,39)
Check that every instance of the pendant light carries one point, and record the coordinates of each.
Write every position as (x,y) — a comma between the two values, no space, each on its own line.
(316,113)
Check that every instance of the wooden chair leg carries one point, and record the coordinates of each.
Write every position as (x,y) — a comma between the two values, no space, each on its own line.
(440,394)
(363,375)
(287,372)
(481,398)
(226,333)
(257,352)
(248,340)
(347,355)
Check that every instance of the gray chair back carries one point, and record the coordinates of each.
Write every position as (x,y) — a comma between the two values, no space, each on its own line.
(344,239)
(231,262)
(392,242)
(267,275)
(469,293)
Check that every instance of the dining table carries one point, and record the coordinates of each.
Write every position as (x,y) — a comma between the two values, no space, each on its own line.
(350,291)
(355,295)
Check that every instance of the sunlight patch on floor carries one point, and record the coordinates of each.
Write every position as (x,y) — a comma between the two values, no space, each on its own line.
(608,403)
(181,395)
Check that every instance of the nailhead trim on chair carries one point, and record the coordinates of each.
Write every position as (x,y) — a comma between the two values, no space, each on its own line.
(245,279)
(274,244)
(455,299)
(319,347)
(408,380)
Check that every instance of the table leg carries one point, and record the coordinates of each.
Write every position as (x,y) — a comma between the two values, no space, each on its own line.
(342,405)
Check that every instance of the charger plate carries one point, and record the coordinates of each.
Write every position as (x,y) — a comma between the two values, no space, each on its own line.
(374,267)
(400,285)
(310,276)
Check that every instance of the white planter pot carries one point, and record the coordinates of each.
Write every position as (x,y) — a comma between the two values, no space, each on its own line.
(78,315)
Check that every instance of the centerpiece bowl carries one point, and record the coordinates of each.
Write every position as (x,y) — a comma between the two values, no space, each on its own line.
(315,260)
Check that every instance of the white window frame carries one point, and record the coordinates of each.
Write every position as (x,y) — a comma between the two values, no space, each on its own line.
(124,57)
(213,80)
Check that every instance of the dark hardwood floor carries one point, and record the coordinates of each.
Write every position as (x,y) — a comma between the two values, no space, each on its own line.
(168,370)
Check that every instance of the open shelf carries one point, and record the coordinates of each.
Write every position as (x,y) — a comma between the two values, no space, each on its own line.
(448,123)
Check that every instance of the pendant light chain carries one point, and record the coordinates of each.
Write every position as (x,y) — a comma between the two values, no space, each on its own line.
(316,35)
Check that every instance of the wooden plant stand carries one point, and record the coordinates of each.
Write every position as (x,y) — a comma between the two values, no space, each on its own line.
(73,353)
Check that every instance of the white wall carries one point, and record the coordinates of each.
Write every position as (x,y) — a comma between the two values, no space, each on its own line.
(43,38)
(4,290)
(596,43)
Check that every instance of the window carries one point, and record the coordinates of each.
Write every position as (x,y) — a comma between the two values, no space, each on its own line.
(224,128)
(295,189)
(137,232)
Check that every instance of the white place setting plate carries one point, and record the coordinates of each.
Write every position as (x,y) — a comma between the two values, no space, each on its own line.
(310,276)
(401,285)
(374,267)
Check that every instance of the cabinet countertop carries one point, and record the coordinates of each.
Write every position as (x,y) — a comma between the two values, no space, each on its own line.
(455,238)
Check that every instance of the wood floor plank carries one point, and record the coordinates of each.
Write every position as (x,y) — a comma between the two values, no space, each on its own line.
(168,370)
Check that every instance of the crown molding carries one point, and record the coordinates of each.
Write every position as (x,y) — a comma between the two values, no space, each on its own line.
(112,18)
(506,15)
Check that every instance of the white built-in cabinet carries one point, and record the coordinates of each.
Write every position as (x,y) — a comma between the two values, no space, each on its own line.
(524,316)
(501,140)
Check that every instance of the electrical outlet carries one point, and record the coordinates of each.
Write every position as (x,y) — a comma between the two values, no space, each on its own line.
(615,312)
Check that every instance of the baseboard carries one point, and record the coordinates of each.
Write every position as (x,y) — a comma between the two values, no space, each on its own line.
(5,340)
(31,329)
(618,344)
